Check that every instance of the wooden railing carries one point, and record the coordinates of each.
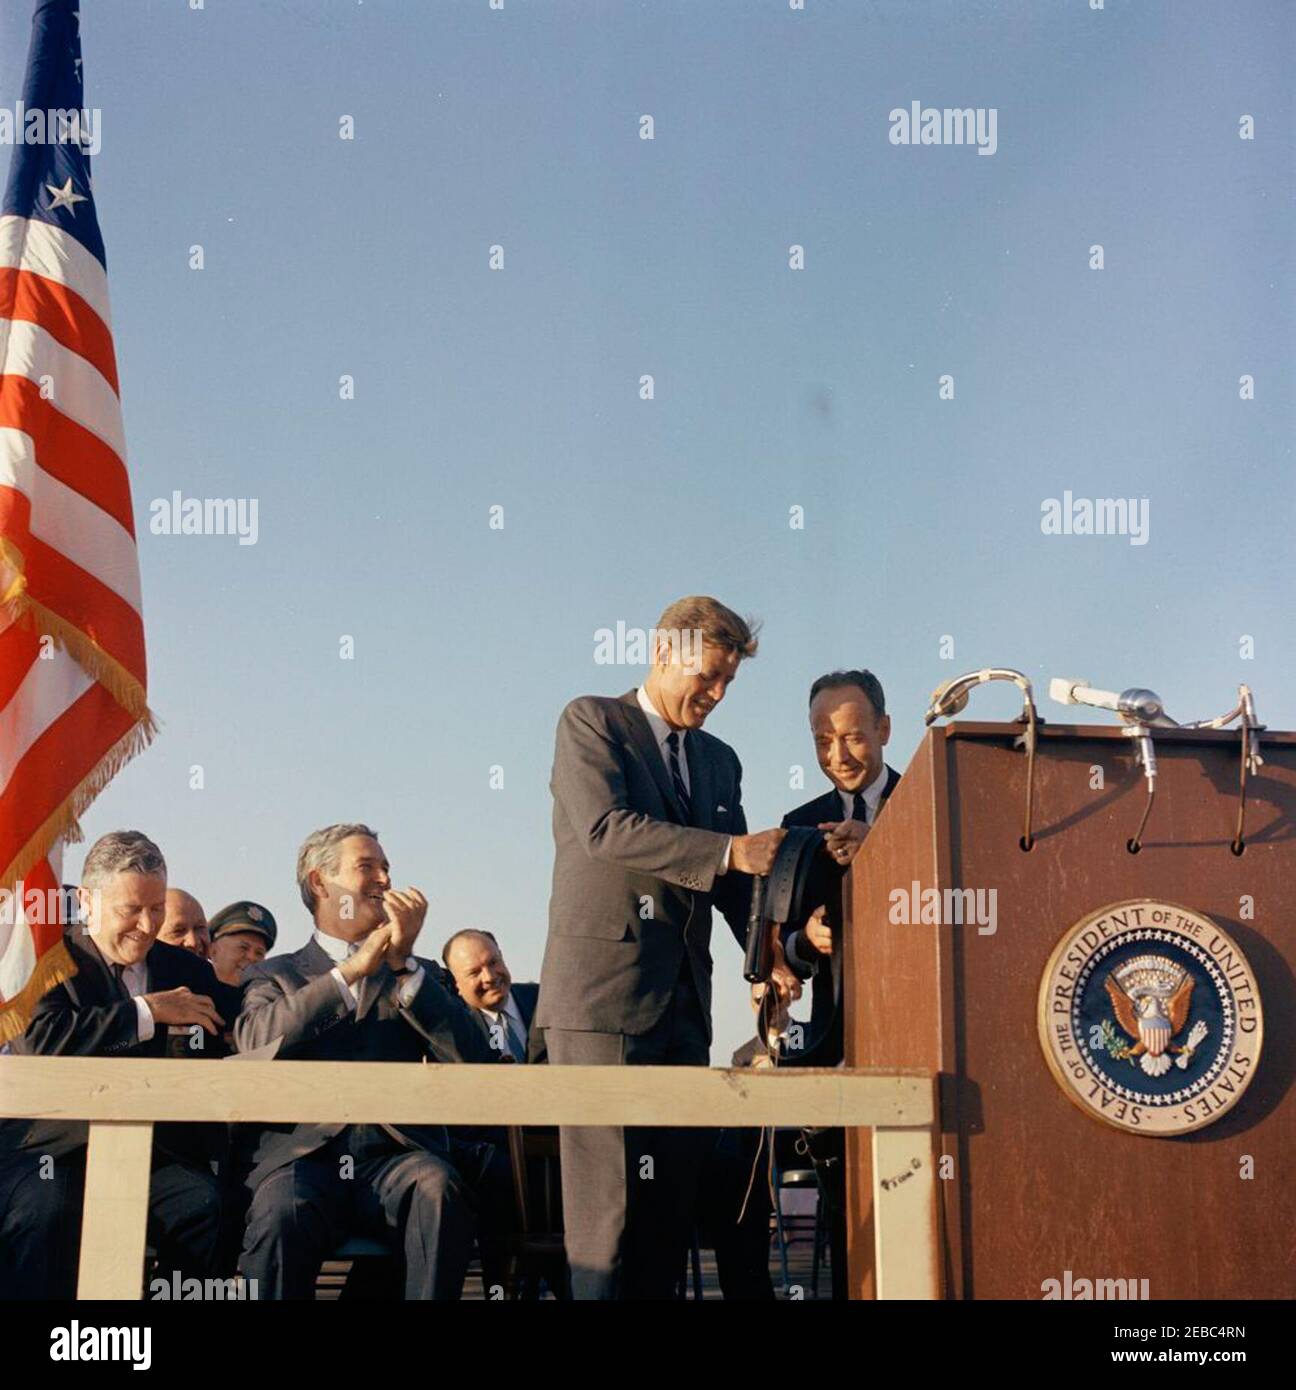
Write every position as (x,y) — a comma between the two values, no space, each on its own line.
(122,1097)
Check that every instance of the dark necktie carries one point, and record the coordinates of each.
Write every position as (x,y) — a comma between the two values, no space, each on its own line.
(511,1041)
(859,811)
(118,974)
(677,777)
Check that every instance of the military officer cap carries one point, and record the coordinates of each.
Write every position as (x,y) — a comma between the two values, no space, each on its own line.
(244,916)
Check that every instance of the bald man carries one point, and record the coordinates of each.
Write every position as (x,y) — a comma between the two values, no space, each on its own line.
(185,923)
(505,1011)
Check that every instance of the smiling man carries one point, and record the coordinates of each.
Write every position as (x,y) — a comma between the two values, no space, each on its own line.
(130,992)
(357,992)
(503,1009)
(649,835)
(242,935)
(185,923)
(850,728)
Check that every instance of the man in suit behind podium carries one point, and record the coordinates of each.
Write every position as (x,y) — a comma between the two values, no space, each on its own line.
(357,992)
(649,833)
(850,727)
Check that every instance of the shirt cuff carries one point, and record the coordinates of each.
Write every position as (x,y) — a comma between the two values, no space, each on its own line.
(410,986)
(146,1021)
(724,863)
(349,997)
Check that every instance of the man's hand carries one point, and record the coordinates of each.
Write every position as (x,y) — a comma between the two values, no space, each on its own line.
(843,838)
(754,854)
(405,913)
(774,1014)
(182,1008)
(373,950)
(786,982)
(818,933)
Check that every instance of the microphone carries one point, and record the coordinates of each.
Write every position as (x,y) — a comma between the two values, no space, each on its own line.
(757,958)
(952,697)
(1135,706)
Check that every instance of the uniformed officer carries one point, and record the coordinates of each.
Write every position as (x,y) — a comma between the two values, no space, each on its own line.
(241,935)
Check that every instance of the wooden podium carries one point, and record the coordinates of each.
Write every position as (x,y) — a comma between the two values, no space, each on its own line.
(1029,1186)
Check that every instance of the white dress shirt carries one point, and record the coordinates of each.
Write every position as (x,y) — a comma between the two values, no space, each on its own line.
(872,797)
(661,732)
(136,980)
(337,949)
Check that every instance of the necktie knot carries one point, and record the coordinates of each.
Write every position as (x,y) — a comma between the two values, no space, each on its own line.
(860,809)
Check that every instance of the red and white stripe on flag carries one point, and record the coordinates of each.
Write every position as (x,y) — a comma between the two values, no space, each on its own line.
(73,704)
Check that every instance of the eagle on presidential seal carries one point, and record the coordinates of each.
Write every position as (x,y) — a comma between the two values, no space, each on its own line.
(1151,997)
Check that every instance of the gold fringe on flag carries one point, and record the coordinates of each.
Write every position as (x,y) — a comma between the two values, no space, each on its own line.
(63,822)
(55,966)
(84,650)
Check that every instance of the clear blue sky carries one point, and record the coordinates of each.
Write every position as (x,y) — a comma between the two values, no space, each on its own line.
(774,388)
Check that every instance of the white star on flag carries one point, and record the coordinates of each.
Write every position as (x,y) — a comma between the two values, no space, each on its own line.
(64,197)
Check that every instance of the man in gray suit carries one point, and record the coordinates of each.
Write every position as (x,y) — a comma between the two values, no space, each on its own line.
(649,832)
(357,992)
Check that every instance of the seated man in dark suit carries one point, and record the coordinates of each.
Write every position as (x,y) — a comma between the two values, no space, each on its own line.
(356,992)
(131,996)
(503,1010)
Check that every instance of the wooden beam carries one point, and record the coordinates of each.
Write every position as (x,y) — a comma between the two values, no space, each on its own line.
(116,1210)
(121,1089)
(904,1214)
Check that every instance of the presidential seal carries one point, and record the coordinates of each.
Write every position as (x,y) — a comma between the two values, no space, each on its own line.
(1150,1017)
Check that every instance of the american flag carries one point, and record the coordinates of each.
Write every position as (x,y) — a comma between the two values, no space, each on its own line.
(73,702)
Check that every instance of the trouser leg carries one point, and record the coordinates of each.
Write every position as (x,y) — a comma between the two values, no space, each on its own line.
(629,1194)
(40,1225)
(422,1198)
(184,1222)
(293,1222)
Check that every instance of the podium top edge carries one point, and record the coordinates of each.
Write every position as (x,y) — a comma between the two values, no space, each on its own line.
(978,729)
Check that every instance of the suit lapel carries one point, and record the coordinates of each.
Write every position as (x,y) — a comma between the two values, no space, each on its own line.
(641,735)
(109,987)
(312,960)
(525,999)
(893,778)
(701,781)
